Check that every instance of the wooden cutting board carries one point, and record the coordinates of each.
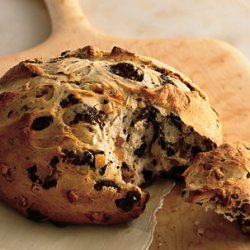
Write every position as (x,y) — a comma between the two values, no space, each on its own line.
(215,66)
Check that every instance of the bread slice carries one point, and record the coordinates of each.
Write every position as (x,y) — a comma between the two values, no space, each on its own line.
(220,180)
(81,132)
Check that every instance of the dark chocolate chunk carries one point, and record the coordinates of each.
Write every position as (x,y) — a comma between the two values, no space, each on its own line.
(105,101)
(196,150)
(183,193)
(176,120)
(166,80)
(126,204)
(49,183)
(152,112)
(127,70)
(51,180)
(90,115)
(54,161)
(213,198)
(24,108)
(209,145)
(124,118)
(170,151)
(161,70)
(162,143)
(78,159)
(148,113)
(128,137)
(68,101)
(154,162)
(238,203)
(155,133)
(32,173)
(235,196)
(102,170)
(165,77)
(141,150)
(147,174)
(185,149)
(92,164)
(99,152)
(125,165)
(35,215)
(248,175)
(42,122)
(89,155)
(10,113)
(68,154)
(105,183)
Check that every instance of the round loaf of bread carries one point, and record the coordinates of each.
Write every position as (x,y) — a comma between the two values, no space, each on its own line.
(220,180)
(80,133)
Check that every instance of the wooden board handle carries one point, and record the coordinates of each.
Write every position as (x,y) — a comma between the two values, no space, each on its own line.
(66,17)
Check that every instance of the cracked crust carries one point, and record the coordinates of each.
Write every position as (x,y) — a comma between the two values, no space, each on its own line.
(220,180)
(81,132)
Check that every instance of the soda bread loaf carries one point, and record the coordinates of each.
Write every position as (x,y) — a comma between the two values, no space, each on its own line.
(80,133)
(220,179)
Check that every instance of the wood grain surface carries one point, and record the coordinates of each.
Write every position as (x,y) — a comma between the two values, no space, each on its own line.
(218,68)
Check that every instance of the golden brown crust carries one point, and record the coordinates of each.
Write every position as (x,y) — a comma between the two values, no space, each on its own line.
(22,70)
(220,179)
(65,124)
